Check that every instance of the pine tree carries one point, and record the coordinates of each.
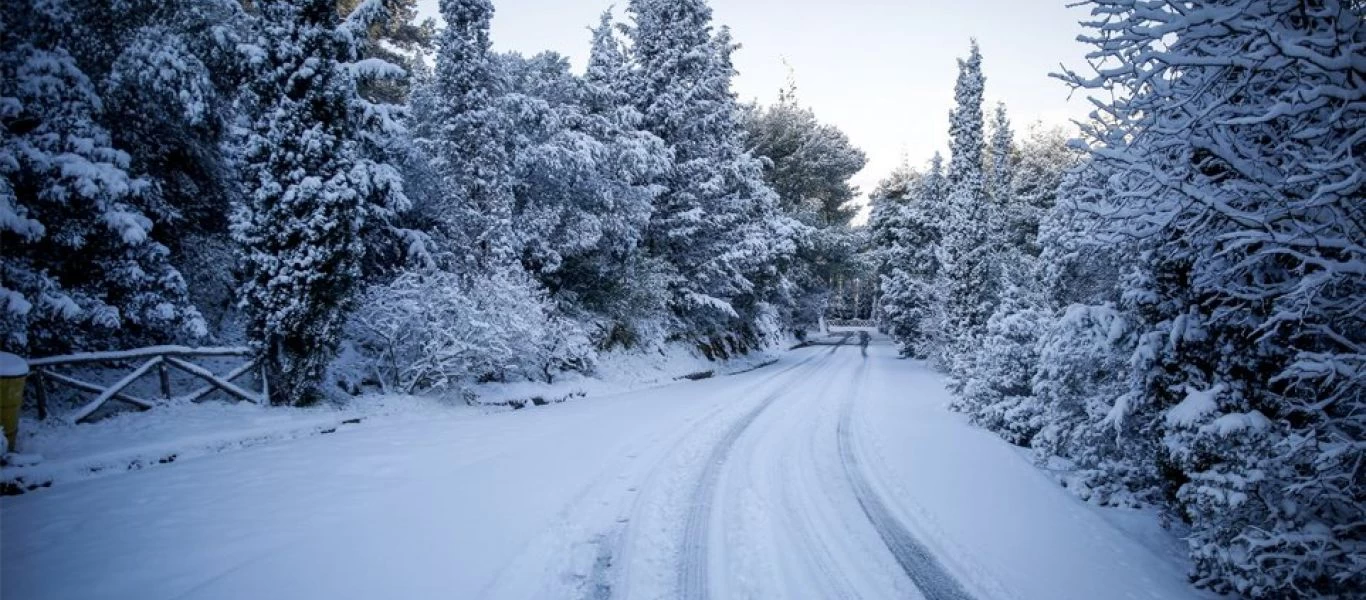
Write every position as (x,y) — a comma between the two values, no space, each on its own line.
(809,164)
(1003,157)
(460,127)
(67,191)
(583,192)
(168,75)
(716,224)
(398,39)
(313,188)
(965,280)
(998,392)
(914,231)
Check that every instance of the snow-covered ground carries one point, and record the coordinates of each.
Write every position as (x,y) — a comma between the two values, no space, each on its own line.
(826,474)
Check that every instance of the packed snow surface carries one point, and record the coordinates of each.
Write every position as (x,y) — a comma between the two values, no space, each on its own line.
(823,475)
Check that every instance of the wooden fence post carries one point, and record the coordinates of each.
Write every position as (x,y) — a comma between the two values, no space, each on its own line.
(164,375)
(40,392)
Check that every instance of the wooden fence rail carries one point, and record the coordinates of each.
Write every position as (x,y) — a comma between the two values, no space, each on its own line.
(851,323)
(42,371)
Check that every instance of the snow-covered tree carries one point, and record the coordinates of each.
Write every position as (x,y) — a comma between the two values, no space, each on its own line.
(1083,358)
(459,126)
(1002,157)
(910,306)
(67,191)
(809,164)
(583,184)
(313,186)
(717,224)
(1230,134)
(998,388)
(400,38)
(998,393)
(966,277)
(168,75)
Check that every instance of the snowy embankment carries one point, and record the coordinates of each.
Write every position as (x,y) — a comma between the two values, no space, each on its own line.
(752,485)
(55,452)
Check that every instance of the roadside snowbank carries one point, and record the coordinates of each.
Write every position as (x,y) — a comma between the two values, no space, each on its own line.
(55,451)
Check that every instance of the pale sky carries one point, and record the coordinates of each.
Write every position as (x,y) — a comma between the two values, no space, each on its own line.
(881,70)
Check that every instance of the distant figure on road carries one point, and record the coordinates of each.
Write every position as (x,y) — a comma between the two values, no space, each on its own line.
(863,338)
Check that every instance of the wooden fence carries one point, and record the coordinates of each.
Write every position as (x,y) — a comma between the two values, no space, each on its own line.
(44,371)
(851,323)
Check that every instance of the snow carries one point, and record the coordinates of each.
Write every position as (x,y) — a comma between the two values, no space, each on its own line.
(12,365)
(579,499)
(1197,405)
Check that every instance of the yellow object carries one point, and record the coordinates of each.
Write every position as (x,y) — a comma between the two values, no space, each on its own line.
(11,398)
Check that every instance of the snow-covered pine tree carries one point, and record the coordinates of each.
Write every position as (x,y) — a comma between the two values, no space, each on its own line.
(168,74)
(461,129)
(717,224)
(66,191)
(630,296)
(1234,132)
(582,189)
(1045,158)
(909,306)
(400,38)
(998,391)
(1002,157)
(809,164)
(313,186)
(966,279)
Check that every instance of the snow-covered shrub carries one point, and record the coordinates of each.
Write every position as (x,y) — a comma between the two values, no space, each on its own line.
(1225,451)
(1081,388)
(999,394)
(432,331)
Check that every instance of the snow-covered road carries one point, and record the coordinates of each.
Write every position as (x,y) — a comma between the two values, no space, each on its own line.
(825,475)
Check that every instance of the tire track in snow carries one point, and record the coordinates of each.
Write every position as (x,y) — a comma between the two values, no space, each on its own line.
(697,525)
(918,562)
(617,543)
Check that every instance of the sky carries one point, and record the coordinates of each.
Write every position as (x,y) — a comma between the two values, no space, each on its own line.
(880,70)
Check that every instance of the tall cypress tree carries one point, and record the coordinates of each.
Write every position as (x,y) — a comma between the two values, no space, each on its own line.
(313,188)
(965,280)
(464,133)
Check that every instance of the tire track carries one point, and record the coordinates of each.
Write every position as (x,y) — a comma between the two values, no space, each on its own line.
(616,543)
(916,560)
(697,525)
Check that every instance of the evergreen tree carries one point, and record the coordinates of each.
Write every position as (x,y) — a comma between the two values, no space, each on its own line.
(582,187)
(809,164)
(461,129)
(314,187)
(909,302)
(67,191)
(1239,180)
(716,225)
(398,39)
(966,279)
(1002,155)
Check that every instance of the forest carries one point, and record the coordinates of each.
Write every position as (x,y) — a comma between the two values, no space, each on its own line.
(1166,303)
